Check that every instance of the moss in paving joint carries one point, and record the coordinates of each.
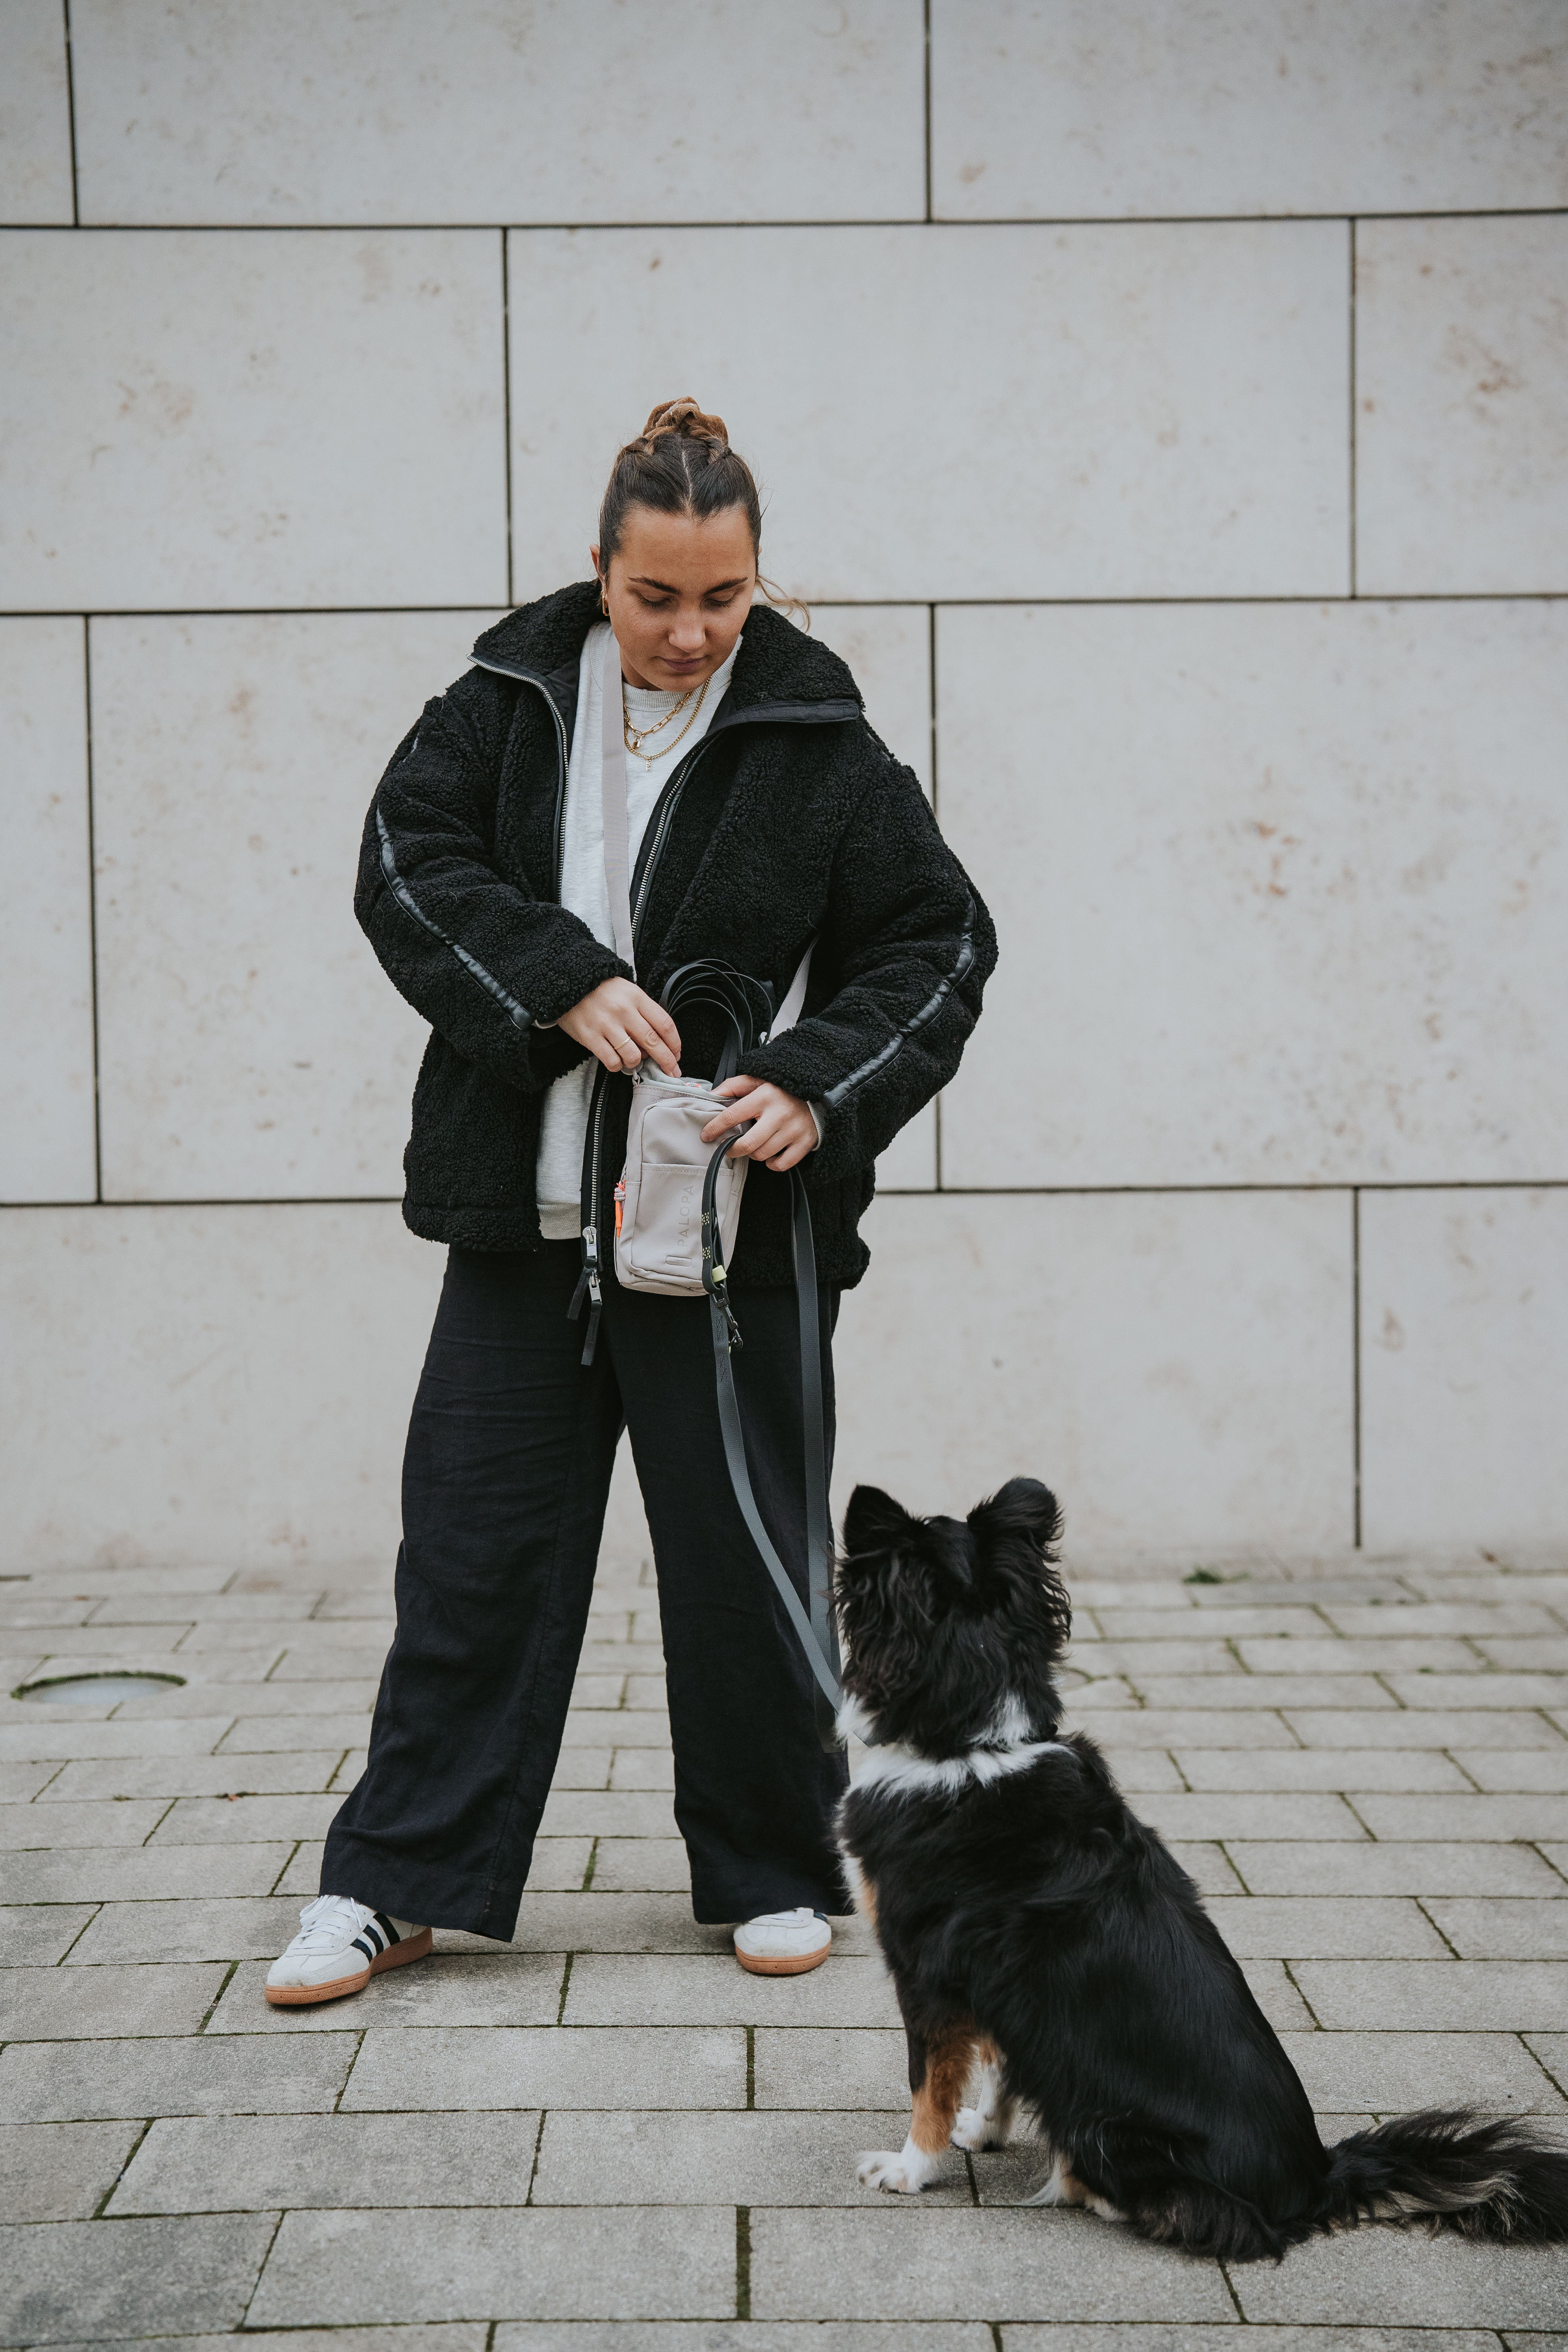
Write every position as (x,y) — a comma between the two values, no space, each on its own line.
(288,1866)
(261,2266)
(565,1982)
(593,1866)
(742,2261)
(538,2143)
(129,2156)
(228,1980)
(751,2067)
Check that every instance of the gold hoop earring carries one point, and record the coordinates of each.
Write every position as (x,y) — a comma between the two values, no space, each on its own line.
(604,603)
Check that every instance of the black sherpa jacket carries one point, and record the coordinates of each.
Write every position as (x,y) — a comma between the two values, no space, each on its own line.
(789,818)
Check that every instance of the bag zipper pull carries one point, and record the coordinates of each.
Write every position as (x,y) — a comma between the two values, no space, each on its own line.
(620,1205)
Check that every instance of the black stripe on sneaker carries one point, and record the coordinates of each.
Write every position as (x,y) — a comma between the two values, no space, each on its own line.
(387,1929)
(370,1951)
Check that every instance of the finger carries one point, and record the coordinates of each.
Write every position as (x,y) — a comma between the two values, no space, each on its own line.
(653,1045)
(791,1157)
(658,1018)
(733,1114)
(763,1140)
(737,1085)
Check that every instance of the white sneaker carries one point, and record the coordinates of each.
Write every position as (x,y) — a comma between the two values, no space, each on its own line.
(340,1945)
(782,1943)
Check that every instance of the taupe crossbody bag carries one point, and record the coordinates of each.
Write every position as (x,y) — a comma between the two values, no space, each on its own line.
(678,1209)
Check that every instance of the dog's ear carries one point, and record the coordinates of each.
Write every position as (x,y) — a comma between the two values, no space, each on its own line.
(875,1523)
(1022,1507)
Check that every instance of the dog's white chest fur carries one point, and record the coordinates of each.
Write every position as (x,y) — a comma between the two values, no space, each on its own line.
(899,1772)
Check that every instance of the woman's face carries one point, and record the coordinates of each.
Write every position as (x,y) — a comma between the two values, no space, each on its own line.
(679,590)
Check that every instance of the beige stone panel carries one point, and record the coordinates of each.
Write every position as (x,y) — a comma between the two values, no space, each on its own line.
(35,113)
(46,1144)
(1461,427)
(910,1162)
(1005,412)
(1464,1366)
(1177,1367)
(1281,891)
(1113,108)
(445,110)
(188,1385)
(228,421)
(250,1045)
(888,647)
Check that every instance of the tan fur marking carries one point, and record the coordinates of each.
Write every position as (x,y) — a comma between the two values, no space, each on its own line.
(949,2060)
(866,1900)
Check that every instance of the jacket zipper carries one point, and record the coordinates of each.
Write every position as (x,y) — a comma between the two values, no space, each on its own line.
(531,677)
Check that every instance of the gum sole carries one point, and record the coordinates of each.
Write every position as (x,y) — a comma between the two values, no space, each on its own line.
(783,1968)
(413,1947)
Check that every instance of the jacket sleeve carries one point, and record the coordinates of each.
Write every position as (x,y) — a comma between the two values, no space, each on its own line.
(912,946)
(483,960)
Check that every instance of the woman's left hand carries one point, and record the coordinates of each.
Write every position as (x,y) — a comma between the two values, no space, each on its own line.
(784,1130)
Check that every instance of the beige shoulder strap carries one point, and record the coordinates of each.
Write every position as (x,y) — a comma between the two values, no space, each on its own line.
(613,790)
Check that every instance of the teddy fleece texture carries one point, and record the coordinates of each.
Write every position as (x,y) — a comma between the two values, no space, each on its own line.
(790,818)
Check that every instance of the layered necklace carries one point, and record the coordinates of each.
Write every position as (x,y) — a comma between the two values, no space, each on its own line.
(635,737)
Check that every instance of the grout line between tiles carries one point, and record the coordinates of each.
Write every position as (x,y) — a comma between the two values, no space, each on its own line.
(70,109)
(1131,222)
(506,394)
(906,1193)
(1355,1372)
(260,2266)
(742,2261)
(1219,599)
(131,2153)
(92,908)
(926,98)
(1352,516)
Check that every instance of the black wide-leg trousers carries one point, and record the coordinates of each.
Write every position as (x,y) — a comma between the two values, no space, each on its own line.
(505,1482)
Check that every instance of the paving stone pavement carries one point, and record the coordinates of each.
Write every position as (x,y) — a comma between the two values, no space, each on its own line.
(604,2136)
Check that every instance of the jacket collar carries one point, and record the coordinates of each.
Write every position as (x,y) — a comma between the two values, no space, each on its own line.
(781,674)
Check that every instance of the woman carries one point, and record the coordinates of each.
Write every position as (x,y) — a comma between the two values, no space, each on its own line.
(762,812)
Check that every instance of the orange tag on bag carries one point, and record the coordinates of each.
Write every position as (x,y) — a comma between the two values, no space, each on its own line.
(620,1203)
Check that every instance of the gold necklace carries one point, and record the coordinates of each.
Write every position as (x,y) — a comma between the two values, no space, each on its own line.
(635,737)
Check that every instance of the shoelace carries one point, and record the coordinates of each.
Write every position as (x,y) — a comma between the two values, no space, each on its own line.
(783,1919)
(325,1915)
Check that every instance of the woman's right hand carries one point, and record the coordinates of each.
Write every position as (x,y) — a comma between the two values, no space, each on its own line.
(619,1024)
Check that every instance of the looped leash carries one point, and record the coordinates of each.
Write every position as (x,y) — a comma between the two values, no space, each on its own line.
(817,1633)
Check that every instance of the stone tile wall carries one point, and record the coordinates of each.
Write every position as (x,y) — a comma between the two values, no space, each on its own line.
(1162,409)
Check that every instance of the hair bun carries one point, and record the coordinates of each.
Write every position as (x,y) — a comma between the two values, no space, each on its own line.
(684,416)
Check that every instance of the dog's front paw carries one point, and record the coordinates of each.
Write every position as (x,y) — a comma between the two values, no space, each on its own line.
(880,2168)
(974,2129)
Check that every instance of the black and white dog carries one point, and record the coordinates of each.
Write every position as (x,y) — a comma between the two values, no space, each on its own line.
(1045,1944)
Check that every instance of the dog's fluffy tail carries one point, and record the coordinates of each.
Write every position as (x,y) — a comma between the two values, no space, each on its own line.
(1485,2179)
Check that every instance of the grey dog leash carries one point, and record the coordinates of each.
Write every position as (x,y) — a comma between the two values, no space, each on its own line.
(817,1633)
